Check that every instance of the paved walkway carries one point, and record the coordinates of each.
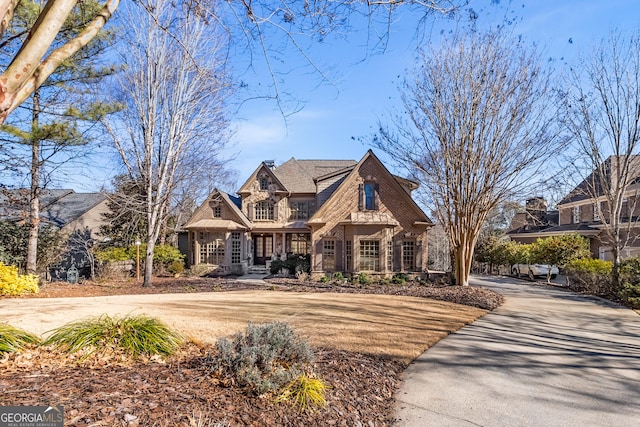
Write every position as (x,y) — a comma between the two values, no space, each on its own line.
(546,357)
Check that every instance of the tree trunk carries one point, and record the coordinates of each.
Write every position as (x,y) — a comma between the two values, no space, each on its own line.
(34,194)
(615,272)
(148,265)
(463,255)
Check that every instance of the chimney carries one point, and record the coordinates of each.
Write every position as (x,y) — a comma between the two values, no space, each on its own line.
(271,164)
(536,208)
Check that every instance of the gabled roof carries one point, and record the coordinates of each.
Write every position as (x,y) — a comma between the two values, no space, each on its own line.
(246,187)
(70,207)
(57,207)
(399,188)
(233,203)
(600,180)
(299,176)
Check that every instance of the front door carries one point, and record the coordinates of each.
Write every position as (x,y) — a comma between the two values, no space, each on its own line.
(262,248)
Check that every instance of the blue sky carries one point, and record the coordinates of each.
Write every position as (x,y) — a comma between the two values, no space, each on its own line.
(364,86)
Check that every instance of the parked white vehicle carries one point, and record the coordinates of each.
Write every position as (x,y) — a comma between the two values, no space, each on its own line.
(534,270)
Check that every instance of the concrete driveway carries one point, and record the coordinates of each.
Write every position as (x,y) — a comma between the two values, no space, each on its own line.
(547,357)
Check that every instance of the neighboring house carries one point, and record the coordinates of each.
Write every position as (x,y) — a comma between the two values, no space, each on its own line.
(65,210)
(78,215)
(531,223)
(580,212)
(348,216)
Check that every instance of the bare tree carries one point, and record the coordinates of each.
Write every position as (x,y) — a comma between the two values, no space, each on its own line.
(602,104)
(174,92)
(477,128)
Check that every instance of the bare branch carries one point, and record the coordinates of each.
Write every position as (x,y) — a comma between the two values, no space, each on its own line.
(478,130)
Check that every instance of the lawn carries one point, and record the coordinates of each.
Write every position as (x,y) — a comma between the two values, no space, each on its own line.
(362,343)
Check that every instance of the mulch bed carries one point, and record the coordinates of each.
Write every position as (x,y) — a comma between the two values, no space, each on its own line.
(161,285)
(466,295)
(184,392)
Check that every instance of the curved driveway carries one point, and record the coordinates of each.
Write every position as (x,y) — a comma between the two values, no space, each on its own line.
(546,357)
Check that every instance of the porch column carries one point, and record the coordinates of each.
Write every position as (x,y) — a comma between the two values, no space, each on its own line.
(273,244)
(284,245)
(196,248)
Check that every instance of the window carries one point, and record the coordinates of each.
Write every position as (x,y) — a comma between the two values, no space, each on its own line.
(390,255)
(235,248)
(298,243)
(264,183)
(596,211)
(301,210)
(369,255)
(576,214)
(408,256)
(217,212)
(212,248)
(329,255)
(369,196)
(348,255)
(263,211)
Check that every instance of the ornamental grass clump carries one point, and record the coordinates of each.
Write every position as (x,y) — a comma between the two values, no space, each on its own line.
(306,392)
(12,283)
(263,358)
(13,339)
(133,335)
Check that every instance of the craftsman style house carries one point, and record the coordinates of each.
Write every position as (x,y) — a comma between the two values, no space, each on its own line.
(586,211)
(348,216)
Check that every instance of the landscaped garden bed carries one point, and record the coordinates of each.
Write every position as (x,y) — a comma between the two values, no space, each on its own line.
(187,390)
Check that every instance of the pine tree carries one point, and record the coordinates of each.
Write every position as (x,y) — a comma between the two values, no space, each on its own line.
(58,117)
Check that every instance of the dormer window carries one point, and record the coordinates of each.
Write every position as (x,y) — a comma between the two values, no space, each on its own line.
(217,212)
(264,183)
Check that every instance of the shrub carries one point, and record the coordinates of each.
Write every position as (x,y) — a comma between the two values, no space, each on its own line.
(364,279)
(114,254)
(12,283)
(176,267)
(629,291)
(324,279)
(306,391)
(302,276)
(399,279)
(264,358)
(13,339)
(276,266)
(293,263)
(592,276)
(338,276)
(135,335)
(164,256)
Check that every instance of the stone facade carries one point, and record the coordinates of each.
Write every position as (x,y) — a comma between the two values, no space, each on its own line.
(349,217)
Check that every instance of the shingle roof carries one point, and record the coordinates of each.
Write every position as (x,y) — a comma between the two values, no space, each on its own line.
(600,180)
(70,207)
(298,175)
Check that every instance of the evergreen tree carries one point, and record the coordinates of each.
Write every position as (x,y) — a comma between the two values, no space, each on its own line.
(59,116)
(126,220)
